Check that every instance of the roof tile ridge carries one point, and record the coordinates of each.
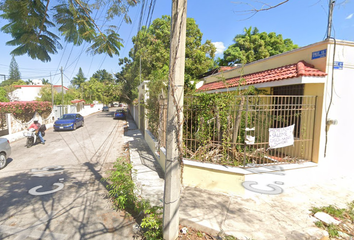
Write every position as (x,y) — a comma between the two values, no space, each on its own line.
(301,67)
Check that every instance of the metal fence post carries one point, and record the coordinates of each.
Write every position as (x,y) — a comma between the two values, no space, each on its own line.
(245,145)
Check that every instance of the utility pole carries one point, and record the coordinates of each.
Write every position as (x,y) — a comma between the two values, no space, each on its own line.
(62,93)
(140,68)
(172,188)
(330,14)
(51,83)
(3,76)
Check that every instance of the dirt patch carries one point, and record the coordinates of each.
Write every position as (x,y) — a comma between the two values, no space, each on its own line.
(188,233)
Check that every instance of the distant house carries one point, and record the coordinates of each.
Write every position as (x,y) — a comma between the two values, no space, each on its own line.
(30,92)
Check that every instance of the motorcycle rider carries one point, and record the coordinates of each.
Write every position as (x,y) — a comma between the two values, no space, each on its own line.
(36,125)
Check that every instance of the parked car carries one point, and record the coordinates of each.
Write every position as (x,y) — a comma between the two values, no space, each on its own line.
(69,121)
(5,151)
(119,114)
(105,109)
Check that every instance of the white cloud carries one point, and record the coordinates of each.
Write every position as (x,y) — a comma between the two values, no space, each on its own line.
(219,47)
(350,16)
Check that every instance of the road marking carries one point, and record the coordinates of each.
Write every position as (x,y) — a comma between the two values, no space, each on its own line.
(33,191)
(275,189)
(42,172)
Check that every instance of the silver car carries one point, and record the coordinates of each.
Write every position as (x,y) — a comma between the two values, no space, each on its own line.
(5,151)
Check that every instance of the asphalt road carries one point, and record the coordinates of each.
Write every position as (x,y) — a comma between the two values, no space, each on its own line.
(53,191)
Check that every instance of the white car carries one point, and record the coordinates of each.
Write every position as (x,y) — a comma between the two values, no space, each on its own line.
(5,151)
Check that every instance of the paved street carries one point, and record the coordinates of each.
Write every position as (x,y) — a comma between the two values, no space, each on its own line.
(53,191)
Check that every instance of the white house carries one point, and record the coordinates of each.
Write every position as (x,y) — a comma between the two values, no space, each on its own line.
(30,92)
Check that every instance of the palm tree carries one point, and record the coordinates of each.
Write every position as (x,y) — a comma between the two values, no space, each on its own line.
(45,81)
(29,82)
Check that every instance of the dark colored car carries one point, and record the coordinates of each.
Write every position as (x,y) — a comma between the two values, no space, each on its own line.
(119,114)
(69,121)
(105,109)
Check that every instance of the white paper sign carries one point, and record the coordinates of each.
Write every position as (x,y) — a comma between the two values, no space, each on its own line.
(281,137)
(250,139)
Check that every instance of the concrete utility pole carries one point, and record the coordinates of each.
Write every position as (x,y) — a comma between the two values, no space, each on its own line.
(62,93)
(172,189)
(330,14)
(51,83)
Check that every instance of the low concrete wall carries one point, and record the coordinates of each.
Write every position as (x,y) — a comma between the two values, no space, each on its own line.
(231,180)
(213,177)
(153,144)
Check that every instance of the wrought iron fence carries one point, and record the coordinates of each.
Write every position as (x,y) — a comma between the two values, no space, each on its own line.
(235,130)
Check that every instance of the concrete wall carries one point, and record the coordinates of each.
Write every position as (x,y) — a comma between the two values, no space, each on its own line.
(213,177)
(338,95)
(153,144)
(316,90)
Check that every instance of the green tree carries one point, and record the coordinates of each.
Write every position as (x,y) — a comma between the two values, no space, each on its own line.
(71,94)
(252,46)
(14,72)
(45,81)
(30,21)
(129,91)
(3,95)
(92,90)
(8,82)
(29,82)
(45,94)
(79,79)
(152,51)
(103,76)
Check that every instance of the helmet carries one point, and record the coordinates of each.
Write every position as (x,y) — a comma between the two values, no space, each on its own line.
(35,120)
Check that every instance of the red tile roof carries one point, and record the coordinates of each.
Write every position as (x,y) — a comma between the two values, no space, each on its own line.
(77,100)
(301,68)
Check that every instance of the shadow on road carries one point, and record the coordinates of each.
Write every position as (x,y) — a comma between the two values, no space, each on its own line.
(56,203)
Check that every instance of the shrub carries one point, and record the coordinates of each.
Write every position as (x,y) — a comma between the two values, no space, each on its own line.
(24,111)
(121,189)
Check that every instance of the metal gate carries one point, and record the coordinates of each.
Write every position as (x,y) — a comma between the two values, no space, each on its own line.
(235,130)
(4,130)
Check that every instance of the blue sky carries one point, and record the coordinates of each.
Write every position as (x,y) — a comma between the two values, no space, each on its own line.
(303,21)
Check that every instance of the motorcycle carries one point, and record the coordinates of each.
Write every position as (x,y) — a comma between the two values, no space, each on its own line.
(33,137)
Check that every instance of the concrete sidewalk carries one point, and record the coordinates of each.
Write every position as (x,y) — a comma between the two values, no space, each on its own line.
(257,216)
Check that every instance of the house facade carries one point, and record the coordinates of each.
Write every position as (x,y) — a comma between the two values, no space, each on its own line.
(31,92)
(324,70)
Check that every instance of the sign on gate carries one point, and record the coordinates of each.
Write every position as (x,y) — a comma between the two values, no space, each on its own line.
(281,137)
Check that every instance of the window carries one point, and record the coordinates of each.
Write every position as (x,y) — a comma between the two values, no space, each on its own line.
(287,107)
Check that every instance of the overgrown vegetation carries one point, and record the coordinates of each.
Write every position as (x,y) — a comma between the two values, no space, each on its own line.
(214,127)
(122,190)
